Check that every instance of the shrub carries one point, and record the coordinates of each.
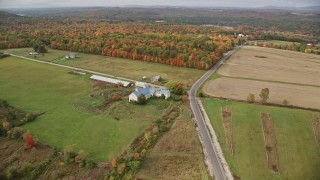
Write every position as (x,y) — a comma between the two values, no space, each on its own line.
(184,98)
(201,94)
(90,164)
(142,99)
(6,125)
(15,133)
(81,158)
(285,102)
(133,165)
(251,98)
(116,97)
(69,154)
(12,173)
(4,104)
(27,169)
(264,95)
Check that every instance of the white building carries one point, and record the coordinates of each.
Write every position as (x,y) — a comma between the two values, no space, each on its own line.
(148,92)
(110,80)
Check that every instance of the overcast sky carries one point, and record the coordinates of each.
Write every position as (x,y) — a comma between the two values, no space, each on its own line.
(205,3)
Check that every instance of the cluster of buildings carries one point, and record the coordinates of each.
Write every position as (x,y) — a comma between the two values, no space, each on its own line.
(141,88)
(148,92)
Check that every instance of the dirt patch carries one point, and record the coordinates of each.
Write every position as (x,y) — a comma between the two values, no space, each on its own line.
(177,155)
(270,142)
(279,65)
(227,124)
(316,126)
(296,95)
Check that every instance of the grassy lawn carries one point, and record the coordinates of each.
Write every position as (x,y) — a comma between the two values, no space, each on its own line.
(299,155)
(36,87)
(117,66)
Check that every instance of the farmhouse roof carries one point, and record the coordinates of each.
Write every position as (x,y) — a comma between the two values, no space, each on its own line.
(163,91)
(109,80)
(147,91)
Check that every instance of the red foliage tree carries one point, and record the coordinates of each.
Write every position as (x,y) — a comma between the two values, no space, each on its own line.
(29,141)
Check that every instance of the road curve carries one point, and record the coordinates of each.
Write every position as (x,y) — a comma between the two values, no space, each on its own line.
(210,151)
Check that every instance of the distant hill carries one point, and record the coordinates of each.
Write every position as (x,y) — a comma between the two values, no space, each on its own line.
(309,9)
(4,14)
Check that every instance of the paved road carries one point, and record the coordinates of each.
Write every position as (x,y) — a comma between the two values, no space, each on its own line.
(211,154)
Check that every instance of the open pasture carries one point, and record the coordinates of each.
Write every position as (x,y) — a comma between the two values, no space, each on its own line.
(296,145)
(131,69)
(36,87)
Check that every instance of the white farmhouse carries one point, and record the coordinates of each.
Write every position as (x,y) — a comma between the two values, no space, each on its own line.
(148,92)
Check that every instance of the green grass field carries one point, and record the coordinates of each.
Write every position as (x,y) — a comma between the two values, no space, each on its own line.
(117,66)
(36,87)
(299,154)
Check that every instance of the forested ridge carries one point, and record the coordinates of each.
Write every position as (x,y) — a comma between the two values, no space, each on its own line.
(178,45)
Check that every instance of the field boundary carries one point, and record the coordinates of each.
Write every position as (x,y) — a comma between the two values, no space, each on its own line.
(270,81)
(270,142)
(315,119)
(225,166)
(265,104)
(226,116)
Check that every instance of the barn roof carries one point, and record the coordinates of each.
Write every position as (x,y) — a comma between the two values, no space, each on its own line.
(109,80)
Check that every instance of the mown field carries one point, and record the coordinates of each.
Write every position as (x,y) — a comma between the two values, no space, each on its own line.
(297,149)
(276,65)
(132,69)
(36,87)
(175,156)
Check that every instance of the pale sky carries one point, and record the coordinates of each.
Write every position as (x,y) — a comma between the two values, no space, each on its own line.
(202,3)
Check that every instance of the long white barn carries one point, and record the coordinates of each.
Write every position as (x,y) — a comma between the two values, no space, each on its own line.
(110,80)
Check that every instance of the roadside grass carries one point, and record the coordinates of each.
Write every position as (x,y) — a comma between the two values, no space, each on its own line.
(36,87)
(131,69)
(299,155)
(177,154)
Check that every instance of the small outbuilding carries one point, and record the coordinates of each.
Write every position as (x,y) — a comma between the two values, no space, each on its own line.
(155,79)
(141,84)
(71,56)
(33,53)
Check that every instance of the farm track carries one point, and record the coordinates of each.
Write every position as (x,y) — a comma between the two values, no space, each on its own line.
(79,69)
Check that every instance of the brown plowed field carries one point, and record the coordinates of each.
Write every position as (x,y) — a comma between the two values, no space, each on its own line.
(274,65)
(297,95)
(227,123)
(270,142)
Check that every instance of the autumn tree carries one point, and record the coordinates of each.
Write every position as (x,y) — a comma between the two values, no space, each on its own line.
(29,141)
(114,163)
(264,95)
(175,87)
(251,98)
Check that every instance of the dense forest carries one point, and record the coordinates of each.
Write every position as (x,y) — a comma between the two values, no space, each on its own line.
(195,38)
(178,45)
(304,23)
